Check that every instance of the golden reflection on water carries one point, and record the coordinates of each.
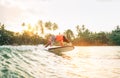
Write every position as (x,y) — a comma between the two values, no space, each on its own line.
(96,61)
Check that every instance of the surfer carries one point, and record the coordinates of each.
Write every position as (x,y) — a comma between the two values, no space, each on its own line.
(59,38)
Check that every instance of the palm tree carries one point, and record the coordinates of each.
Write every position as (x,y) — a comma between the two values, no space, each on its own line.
(48,25)
(40,24)
(23,24)
(2,27)
(55,26)
(51,26)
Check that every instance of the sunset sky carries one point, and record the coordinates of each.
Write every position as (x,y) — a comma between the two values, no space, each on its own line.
(96,15)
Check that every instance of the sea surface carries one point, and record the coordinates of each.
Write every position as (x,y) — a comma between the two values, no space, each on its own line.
(28,61)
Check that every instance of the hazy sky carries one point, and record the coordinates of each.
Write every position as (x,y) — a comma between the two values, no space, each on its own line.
(96,15)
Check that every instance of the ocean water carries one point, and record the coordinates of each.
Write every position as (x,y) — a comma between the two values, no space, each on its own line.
(82,62)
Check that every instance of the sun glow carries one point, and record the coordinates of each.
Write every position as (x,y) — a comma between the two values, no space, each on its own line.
(21,28)
(15,28)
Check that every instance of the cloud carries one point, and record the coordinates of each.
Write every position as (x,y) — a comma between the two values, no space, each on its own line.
(9,13)
(108,0)
(25,4)
(12,10)
(104,0)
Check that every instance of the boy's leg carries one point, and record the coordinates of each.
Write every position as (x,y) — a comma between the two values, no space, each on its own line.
(61,43)
(49,43)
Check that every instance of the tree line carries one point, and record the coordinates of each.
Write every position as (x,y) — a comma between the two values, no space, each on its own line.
(35,35)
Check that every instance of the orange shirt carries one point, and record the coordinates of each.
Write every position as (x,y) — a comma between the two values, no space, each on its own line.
(59,38)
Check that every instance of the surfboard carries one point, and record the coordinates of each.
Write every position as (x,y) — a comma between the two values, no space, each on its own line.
(61,49)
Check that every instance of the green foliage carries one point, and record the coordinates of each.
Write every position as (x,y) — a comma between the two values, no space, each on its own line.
(40,26)
(55,26)
(28,38)
(48,25)
(12,38)
(51,26)
(5,36)
(83,37)
(102,37)
(83,33)
(114,37)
